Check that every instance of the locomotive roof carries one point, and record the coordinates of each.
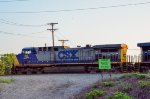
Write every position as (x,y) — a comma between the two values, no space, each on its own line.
(29,48)
(146,44)
(108,46)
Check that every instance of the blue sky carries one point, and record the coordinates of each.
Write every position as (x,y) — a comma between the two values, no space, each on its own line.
(128,25)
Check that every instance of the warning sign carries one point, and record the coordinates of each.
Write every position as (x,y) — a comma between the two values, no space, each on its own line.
(104,64)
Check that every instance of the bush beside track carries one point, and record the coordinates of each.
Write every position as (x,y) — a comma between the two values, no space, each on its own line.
(6,63)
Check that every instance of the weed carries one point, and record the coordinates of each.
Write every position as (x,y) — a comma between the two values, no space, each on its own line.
(119,95)
(144,84)
(94,93)
(2,80)
(95,86)
(135,75)
(108,84)
(125,87)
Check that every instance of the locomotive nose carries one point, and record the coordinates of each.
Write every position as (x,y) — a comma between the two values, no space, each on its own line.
(20,58)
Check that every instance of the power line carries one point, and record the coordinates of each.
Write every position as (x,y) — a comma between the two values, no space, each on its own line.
(38,32)
(82,9)
(11,0)
(17,34)
(17,24)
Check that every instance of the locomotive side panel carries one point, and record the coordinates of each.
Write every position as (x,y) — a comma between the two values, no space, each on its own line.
(75,55)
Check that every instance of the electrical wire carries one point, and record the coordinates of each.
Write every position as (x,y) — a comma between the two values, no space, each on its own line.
(17,34)
(17,24)
(11,0)
(82,9)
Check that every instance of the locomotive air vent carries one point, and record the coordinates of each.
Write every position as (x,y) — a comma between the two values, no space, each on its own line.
(88,45)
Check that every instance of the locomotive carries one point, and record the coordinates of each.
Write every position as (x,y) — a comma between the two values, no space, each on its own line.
(79,59)
(144,63)
(66,59)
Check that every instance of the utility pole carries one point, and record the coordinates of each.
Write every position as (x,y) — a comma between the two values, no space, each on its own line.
(53,30)
(63,42)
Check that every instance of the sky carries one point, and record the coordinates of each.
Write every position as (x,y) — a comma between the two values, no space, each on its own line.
(20,27)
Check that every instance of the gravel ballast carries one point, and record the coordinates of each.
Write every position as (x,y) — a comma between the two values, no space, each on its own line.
(50,86)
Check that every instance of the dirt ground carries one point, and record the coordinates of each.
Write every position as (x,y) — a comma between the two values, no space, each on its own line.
(47,86)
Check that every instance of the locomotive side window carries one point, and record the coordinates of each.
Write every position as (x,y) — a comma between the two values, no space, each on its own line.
(113,50)
(55,49)
(104,50)
(146,58)
(44,48)
(40,48)
(49,48)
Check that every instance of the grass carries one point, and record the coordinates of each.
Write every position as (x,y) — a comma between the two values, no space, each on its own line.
(108,84)
(7,80)
(94,93)
(135,75)
(144,84)
(129,86)
(125,87)
(119,95)
(95,86)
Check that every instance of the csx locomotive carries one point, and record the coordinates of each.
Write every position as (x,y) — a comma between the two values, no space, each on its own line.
(79,59)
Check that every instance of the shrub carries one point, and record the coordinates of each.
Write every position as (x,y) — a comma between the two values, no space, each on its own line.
(95,86)
(94,93)
(6,63)
(108,84)
(135,75)
(144,84)
(120,95)
(2,80)
(125,87)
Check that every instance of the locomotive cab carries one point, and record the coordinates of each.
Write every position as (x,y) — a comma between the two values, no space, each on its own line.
(145,51)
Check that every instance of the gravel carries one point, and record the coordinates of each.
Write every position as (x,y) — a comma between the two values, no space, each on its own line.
(50,86)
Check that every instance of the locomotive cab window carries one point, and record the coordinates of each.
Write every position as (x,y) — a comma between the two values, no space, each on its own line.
(29,51)
(26,52)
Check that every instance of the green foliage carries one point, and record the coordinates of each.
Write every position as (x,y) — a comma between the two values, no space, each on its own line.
(125,87)
(135,75)
(2,80)
(94,93)
(144,84)
(108,84)
(2,68)
(95,86)
(119,95)
(6,63)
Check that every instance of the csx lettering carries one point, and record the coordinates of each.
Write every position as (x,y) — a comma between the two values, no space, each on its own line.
(71,54)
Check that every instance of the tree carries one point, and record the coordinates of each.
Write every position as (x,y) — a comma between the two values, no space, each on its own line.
(6,63)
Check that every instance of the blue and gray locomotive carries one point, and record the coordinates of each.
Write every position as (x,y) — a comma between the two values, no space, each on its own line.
(66,59)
